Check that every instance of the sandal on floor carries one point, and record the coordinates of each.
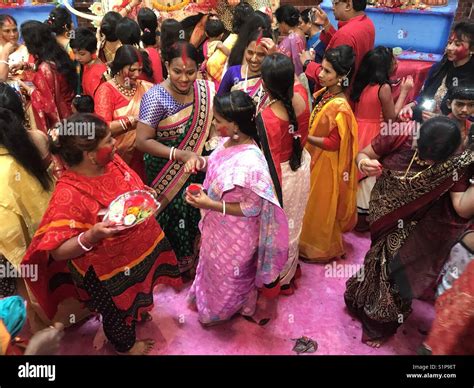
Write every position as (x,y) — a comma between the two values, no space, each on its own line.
(262,322)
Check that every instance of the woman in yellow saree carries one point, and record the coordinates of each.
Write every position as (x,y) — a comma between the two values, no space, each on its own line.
(331,208)
(117,102)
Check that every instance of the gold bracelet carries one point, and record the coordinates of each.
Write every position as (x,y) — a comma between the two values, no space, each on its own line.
(359,165)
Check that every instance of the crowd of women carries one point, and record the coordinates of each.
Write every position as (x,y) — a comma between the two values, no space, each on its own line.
(280,131)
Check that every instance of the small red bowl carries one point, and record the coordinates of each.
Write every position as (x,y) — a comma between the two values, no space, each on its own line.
(193,189)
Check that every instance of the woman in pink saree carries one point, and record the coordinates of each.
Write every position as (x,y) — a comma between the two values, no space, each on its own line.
(244,230)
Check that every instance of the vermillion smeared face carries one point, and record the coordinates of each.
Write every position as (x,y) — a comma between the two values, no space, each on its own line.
(457,49)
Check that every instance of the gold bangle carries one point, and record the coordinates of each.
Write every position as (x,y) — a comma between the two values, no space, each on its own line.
(359,165)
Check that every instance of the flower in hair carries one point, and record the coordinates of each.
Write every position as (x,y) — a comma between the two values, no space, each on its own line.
(54,134)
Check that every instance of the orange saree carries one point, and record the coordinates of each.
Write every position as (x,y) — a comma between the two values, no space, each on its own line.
(331,208)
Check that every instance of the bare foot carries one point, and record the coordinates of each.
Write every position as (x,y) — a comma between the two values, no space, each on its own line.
(100,339)
(375,343)
(140,348)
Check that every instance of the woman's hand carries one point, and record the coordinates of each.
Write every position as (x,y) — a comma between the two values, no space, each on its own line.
(152,191)
(306,56)
(269,46)
(185,156)
(194,165)
(102,230)
(370,167)
(428,115)
(9,48)
(320,17)
(406,114)
(16,67)
(200,201)
(407,84)
(28,89)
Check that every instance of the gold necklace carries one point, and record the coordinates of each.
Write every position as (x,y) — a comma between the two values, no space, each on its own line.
(325,98)
(266,104)
(417,160)
(126,92)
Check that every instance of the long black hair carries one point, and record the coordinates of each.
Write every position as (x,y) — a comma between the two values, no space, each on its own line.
(342,60)
(256,22)
(239,108)
(128,32)
(242,12)
(278,75)
(374,69)
(14,136)
(41,43)
(171,32)
(108,25)
(148,23)
(59,20)
(439,138)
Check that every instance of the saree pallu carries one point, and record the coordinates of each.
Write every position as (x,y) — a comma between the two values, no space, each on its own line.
(216,64)
(292,46)
(93,77)
(331,208)
(453,326)
(254,88)
(239,254)
(111,105)
(128,265)
(186,130)
(52,97)
(407,217)
(295,187)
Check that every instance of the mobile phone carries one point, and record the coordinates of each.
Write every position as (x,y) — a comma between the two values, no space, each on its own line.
(428,105)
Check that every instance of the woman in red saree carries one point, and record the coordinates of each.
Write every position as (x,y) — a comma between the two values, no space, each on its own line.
(84,46)
(412,221)
(148,23)
(54,81)
(283,130)
(453,327)
(117,102)
(114,270)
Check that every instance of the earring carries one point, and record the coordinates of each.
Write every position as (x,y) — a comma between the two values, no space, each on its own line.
(236,136)
(339,82)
